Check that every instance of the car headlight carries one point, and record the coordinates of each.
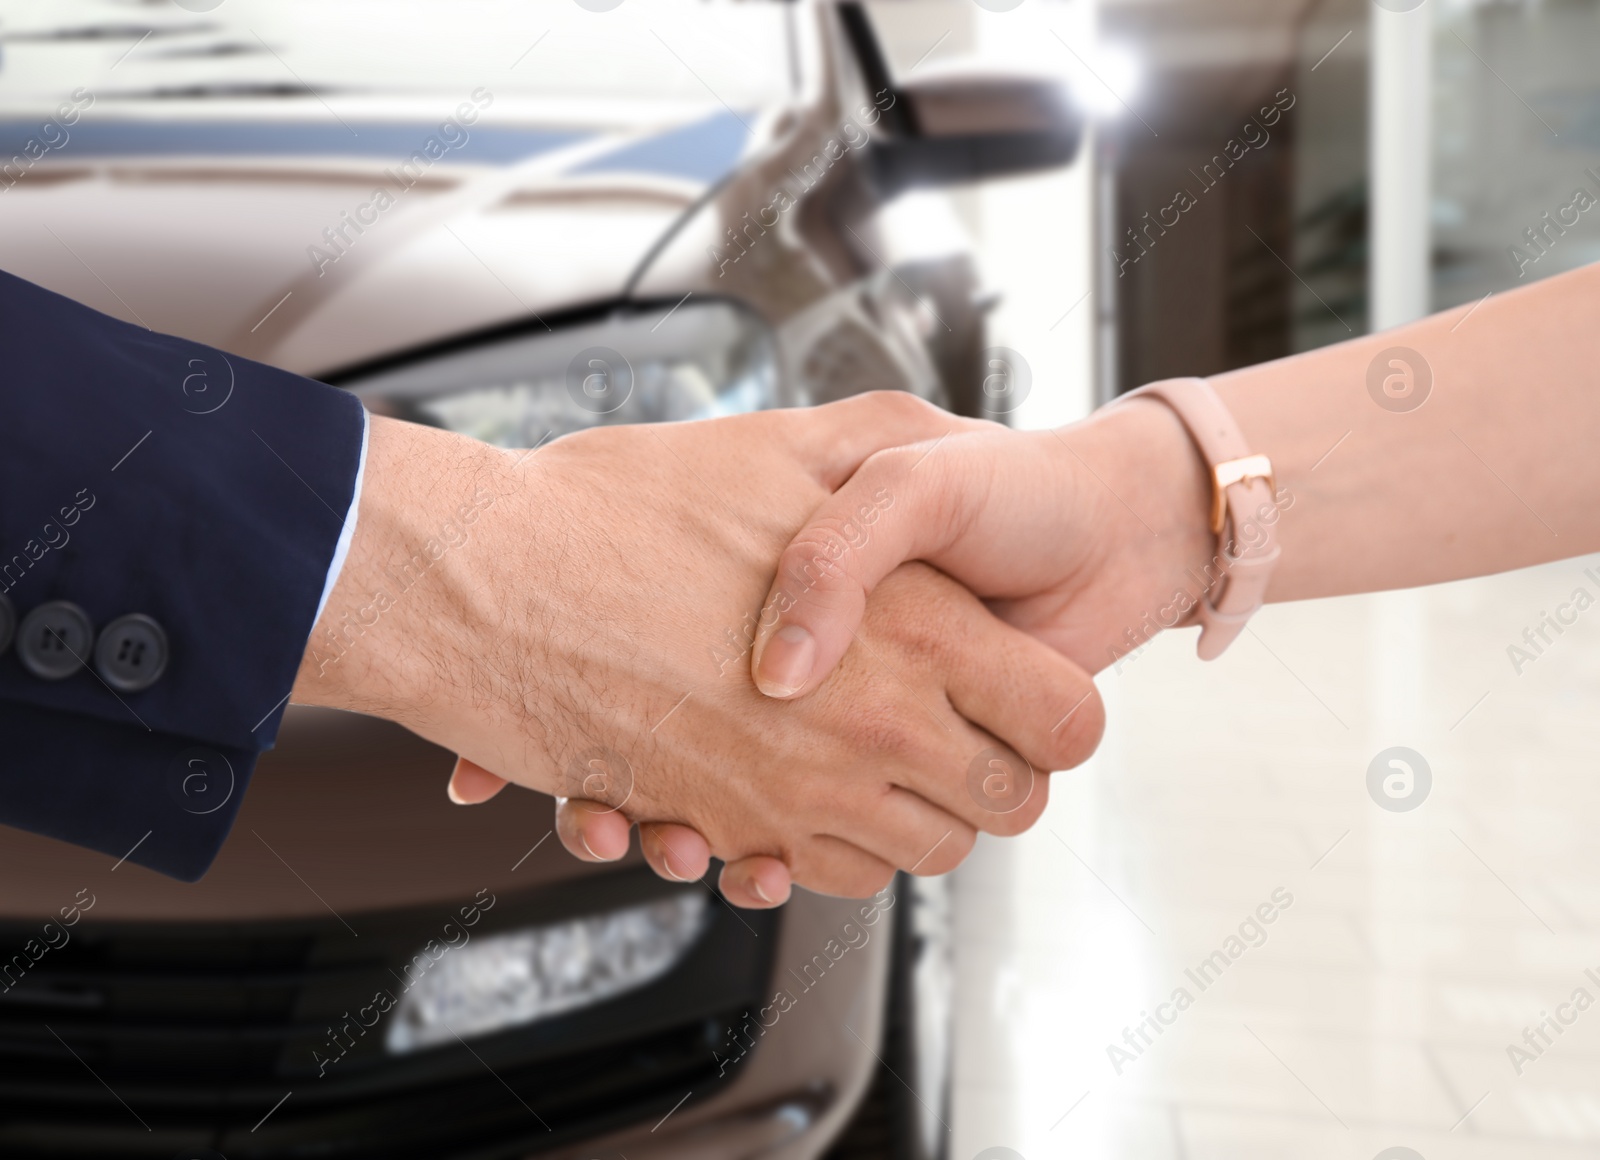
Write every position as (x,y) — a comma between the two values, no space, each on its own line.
(693,361)
(499,981)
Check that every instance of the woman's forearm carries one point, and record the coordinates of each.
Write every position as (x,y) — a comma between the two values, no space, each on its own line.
(1497,467)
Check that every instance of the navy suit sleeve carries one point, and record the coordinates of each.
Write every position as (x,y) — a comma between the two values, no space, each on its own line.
(141,473)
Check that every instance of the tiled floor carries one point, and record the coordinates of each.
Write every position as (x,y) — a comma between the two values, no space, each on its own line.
(1376,1010)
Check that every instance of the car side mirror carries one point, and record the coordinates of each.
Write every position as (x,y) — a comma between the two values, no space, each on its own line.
(958,127)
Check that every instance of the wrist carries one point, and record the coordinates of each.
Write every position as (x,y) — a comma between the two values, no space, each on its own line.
(390,627)
(1245,507)
(1160,485)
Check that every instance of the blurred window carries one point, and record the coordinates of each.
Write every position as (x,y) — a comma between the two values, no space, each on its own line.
(1328,194)
(1516,155)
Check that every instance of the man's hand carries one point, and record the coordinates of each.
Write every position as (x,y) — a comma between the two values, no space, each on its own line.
(578,620)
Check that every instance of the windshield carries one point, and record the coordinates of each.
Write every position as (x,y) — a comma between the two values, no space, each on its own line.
(346,61)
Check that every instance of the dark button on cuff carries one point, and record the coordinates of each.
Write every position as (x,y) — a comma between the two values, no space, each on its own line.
(8,622)
(55,640)
(132,653)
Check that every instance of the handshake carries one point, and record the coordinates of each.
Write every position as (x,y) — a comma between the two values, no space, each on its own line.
(820,645)
(824,645)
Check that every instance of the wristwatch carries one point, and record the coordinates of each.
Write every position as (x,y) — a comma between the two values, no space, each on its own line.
(1243,511)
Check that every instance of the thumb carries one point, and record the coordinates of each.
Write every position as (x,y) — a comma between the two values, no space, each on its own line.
(901,504)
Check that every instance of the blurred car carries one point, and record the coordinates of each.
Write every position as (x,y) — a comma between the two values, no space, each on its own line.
(714,208)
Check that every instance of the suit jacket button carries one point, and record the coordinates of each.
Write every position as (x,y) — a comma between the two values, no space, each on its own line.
(132,653)
(8,622)
(54,640)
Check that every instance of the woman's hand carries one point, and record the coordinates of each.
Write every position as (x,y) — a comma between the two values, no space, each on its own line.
(1091,539)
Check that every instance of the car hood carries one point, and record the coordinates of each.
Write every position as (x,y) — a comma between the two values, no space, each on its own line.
(287,244)
(348,815)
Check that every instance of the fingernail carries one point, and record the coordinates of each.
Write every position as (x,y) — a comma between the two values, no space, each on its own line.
(450,788)
(583,840)
(755,888)
(666,860)
(786,664)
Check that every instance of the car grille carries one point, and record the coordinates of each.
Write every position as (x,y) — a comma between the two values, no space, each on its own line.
(145,1040)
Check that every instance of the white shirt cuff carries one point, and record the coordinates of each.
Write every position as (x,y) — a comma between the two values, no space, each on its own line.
(347,533)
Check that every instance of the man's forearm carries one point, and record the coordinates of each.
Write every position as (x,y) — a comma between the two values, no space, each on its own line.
(415,566)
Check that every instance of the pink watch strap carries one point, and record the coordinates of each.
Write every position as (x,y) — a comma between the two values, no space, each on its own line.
(1243,514)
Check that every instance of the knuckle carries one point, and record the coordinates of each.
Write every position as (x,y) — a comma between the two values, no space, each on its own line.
(1079,736)
(828,867)
(887,464)
(950,853)
(1022,818)
(880,479)
(1026,815)
(903,409)
(867,882)
(920,611)
(1002,825)
(894,732)
(818,560)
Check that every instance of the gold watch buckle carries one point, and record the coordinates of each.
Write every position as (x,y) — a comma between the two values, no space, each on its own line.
(1225,475)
